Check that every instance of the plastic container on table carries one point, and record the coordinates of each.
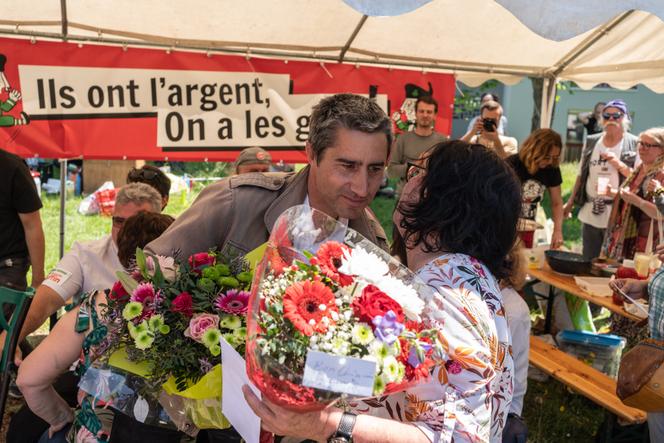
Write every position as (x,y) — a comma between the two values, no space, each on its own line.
(601,351)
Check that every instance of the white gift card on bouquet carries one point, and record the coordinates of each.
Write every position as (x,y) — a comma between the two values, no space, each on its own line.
(339,374)
(233,404)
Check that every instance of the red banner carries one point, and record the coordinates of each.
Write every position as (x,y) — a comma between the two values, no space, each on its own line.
(65,100)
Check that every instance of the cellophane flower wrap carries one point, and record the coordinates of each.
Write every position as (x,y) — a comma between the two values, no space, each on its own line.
(166,320)
(323,287)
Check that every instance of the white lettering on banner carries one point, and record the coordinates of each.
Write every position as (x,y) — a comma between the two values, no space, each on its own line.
(339,374)
(193,108)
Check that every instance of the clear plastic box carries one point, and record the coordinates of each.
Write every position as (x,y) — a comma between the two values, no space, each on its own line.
(601,351)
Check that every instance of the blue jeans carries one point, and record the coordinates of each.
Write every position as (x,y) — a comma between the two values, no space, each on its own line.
(58,437)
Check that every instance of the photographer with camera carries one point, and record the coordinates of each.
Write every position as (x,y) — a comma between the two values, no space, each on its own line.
(485,131)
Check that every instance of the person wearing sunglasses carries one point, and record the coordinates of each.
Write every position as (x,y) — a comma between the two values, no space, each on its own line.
(153,176)
(606,160)
(633,209)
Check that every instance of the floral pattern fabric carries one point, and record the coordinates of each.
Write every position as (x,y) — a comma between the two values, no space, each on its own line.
(468,397)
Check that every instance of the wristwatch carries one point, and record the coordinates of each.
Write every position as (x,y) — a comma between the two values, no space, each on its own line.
(344,433)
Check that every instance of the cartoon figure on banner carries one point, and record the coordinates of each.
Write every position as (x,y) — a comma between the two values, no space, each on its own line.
(8,104)
(404,118)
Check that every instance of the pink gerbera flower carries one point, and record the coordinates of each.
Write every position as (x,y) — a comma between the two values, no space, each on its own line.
(144,294)
(233,302)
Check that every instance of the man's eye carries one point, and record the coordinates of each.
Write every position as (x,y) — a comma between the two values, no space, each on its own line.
(376,169)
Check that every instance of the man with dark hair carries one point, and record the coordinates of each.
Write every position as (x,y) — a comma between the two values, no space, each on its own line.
(410,145)
(348,147)
(485,132)
(153,176)
(349,139)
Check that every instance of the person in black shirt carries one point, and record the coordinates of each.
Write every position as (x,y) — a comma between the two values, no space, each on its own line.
(536,165)
(591,120)
(21,233)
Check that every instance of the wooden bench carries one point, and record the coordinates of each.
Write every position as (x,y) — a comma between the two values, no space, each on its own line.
(582,378)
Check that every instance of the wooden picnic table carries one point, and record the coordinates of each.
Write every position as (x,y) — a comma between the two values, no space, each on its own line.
(566,283)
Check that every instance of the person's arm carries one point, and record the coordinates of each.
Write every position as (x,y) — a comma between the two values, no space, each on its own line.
(569,205)
(320,425)
(34,237)
(647,207)
(557,213)
(40,369)
(614,161)
(45,302)
(478,128)
(397,168)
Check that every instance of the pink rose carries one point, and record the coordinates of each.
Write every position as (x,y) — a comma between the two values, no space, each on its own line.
(200,261)
(183,304)
(199,323)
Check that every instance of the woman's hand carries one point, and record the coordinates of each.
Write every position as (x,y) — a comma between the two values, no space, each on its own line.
(317,425)
(631,198)
(556,239)
(631,287)
(67,417)
(653,185)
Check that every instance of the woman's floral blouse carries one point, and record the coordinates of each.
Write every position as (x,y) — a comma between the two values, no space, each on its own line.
(468,397)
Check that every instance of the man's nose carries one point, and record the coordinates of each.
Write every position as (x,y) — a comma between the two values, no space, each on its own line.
(360,183)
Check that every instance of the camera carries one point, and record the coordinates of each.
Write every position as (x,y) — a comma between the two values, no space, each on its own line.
(489,124)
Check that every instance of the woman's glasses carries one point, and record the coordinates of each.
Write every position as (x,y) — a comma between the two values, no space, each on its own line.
(612,115)
(413,170)
(648,145)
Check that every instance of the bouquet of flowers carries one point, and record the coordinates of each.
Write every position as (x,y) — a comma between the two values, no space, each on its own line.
(334,316)
(165,324)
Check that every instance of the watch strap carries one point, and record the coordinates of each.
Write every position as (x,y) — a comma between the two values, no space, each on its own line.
(345,428)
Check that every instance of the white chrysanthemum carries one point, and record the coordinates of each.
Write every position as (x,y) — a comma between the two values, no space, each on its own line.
(403,294)
(361,263)
(381,351)
(391,369)
(362,334)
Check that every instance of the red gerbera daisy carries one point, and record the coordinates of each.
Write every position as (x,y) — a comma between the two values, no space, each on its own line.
(306,304)
(329,259)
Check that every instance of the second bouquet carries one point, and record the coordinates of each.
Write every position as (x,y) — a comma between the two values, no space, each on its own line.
(333,316)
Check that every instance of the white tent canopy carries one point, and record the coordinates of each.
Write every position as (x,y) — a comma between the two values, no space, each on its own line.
(474,39)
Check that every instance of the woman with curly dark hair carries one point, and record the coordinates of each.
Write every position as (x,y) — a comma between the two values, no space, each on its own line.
(458,219)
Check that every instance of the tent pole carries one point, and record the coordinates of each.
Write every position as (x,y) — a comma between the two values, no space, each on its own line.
(548,100)
(63,194)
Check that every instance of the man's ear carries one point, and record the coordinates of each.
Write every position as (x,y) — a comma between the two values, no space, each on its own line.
(309,150)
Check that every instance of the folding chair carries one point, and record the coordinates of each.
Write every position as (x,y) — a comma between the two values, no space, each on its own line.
(18,303)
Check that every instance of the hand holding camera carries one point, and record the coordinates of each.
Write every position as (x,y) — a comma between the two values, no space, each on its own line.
(489,125)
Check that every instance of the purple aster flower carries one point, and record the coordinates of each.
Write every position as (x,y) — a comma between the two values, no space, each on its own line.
(387,328)
(233,302)
(413,358)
